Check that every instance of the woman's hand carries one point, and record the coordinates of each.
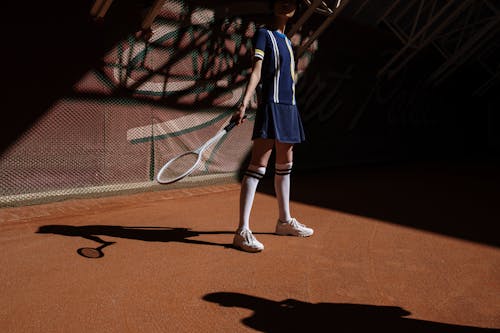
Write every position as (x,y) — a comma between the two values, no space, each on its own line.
(239,115)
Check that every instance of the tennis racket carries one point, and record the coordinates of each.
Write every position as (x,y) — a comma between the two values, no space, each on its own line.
(183,164)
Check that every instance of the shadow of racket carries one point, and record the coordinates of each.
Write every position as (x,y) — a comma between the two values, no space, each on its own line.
(93,253)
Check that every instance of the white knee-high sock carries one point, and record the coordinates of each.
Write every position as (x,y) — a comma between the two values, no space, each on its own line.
(282,188)
(249,184)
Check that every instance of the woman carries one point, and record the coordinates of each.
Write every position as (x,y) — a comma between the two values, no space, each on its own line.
(277,125)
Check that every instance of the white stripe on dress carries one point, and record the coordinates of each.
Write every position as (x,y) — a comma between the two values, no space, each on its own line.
(292,68)
(276,66)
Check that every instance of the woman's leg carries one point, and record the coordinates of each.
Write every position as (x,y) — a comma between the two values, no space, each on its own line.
(261,151)
(286,225)
(283,168)
(243,238)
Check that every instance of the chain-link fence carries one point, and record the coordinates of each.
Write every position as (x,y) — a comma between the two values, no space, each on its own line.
(146,101)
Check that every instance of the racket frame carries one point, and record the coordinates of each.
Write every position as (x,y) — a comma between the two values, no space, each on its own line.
(199,151)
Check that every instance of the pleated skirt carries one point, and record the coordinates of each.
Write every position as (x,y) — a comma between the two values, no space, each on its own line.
(281,122)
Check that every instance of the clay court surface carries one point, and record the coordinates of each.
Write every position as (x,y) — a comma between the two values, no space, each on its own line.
(409,248)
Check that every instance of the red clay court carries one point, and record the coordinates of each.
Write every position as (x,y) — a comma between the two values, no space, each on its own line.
(170,266)
(398,176)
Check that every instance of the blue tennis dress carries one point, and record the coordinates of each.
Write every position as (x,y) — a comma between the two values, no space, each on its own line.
(277,116)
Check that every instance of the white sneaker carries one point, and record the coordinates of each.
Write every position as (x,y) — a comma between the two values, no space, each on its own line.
(246,241)
(293,228)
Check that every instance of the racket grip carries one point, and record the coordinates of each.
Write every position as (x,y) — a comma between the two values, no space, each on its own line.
(232,124)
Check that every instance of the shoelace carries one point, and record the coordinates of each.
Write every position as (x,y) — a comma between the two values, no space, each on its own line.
(249,237)
(296,224)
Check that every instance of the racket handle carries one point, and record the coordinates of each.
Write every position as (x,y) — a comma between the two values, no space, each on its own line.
(232,124)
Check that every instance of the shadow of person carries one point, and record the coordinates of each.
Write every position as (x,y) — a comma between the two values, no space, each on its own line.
(148,234)
(296,316)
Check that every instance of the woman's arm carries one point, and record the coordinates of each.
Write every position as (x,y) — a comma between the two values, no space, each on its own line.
(249,90)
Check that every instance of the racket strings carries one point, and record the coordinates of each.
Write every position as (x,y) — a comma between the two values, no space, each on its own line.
(177,167)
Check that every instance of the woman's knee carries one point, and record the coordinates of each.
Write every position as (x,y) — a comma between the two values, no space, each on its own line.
(261,151)
(284,152)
